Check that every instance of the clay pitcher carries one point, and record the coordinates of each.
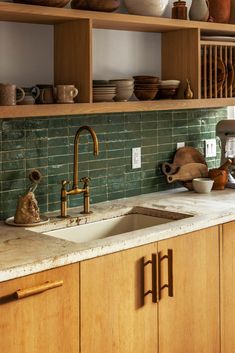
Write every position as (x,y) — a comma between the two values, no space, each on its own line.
(199,10)
(220,10)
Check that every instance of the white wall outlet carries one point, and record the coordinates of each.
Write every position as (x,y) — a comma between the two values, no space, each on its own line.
(180,145)
(210,148)
(136,157)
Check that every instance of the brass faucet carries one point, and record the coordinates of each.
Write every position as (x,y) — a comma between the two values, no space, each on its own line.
(75,189)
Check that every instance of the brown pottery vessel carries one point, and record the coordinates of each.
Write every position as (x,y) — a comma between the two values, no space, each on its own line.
(220,10)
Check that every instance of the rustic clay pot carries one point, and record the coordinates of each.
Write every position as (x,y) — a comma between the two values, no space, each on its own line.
(220,10)
(220,178)
(96,5)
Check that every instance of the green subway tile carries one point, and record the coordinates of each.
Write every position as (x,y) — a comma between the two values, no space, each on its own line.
(99,190)
(153,141)
(36,163)
(164,116)
(132,127)
(56,160)
(13,165)
(98,173)
(13,175)
(13,124)
(115,119)
(116,162)
(116,170)
(119,178)
(36,134)
(134,185)
(56,123)
(113,128)
(180,131)
(58,151)
(149,116)
(13,155)
(132,117)
(58,132)
(133,135)
(57,169)
(148,134)
(59,141)
(97,164)
(53,207)
(133,192)
(12,135)
(166,139)
(134,176)
(56,179)
(36,144)
(36,153)
(148,158)
(14,184)
(116,154)
(153,125)
(116,195)
(97,182)
(98,198)
(31,124)
(132,143)
(180,116)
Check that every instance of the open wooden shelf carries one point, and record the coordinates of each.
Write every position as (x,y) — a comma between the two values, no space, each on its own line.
(29,111)
(50,15)
(181,57)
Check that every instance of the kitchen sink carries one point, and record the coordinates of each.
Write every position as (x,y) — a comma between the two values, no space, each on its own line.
(137,218)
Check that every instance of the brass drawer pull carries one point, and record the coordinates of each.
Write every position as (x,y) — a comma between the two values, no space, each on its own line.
(152,291)
(24,293)
(169,285)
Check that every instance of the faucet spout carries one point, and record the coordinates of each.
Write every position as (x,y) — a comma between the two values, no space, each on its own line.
(75,189)
(76,142)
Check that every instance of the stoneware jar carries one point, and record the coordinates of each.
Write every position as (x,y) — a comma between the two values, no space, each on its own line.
(146,7)
(220,10)
(8,94)
(199,10)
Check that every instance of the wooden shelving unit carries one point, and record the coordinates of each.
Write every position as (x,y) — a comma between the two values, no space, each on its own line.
(181,56)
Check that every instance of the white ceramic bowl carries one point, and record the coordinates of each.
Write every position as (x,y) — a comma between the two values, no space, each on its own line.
(146,7)
(123,95)
(202,185)
(166,83)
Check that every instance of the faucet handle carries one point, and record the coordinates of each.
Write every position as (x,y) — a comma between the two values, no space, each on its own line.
(64,183)
(85,180)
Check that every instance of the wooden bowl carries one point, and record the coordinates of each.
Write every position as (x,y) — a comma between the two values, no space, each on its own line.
(146,79)
(145,95)
(50,3)
(96,5)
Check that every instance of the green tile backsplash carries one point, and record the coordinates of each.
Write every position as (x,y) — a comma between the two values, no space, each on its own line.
(47,144)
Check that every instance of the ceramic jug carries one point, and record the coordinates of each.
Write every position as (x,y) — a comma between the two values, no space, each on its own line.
(199,10)
(220,10)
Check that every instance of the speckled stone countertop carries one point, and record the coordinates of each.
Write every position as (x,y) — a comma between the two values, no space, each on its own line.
(24,251)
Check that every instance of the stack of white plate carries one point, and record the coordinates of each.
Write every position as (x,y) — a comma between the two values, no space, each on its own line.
(125,88)
(103,91)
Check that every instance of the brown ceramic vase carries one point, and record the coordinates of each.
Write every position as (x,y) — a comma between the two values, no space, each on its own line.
(220,10)
(220,178)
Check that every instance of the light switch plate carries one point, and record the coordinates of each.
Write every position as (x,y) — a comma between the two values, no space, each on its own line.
(136,158)
(210,148)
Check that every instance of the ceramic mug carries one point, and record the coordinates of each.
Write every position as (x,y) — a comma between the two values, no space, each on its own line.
(65,93)
(46,95)
(31,94)
(8,94)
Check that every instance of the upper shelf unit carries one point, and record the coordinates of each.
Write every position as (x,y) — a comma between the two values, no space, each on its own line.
(181,57)
(50,15)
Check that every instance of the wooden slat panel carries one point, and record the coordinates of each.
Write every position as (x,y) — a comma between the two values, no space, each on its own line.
(215,70)
(210,72)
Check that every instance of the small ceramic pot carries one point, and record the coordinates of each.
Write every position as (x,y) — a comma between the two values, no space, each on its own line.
(220,178)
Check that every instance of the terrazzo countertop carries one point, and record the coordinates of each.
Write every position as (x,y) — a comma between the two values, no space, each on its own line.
(24,251)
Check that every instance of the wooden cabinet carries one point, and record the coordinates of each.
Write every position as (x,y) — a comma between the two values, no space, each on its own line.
(186,315)
(42,320)
(181,57)
(112,318)
(228,287)
(189,321)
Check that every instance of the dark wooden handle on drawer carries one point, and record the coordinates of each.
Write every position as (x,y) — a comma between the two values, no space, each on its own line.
(168,285)
(24,293)
(153,290)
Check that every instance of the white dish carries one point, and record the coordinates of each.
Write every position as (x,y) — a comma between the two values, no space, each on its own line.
(202,185)
(218,38)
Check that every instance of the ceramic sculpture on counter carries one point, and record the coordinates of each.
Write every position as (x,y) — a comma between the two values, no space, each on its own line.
(27,211)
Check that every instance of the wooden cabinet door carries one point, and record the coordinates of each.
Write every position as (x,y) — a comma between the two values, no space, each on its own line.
(228,287)
(46,322)
(189,320)
(112,317)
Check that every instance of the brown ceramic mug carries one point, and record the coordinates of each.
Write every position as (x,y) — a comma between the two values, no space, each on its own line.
(46,95)
(8,94)
(65,93)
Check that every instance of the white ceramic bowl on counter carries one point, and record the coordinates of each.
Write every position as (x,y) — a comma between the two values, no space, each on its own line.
(146,7)
(202,185)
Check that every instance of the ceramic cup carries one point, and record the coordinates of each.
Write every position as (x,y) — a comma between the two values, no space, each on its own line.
(31,94)
(65,93)
(46,95)
(8,94)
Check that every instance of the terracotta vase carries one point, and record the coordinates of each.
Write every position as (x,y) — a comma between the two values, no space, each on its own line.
(220,10)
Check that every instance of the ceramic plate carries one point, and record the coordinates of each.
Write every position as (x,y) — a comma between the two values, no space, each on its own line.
(218,38)
(10,222)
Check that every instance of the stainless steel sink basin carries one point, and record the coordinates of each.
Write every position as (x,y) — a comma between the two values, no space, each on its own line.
(138,218)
